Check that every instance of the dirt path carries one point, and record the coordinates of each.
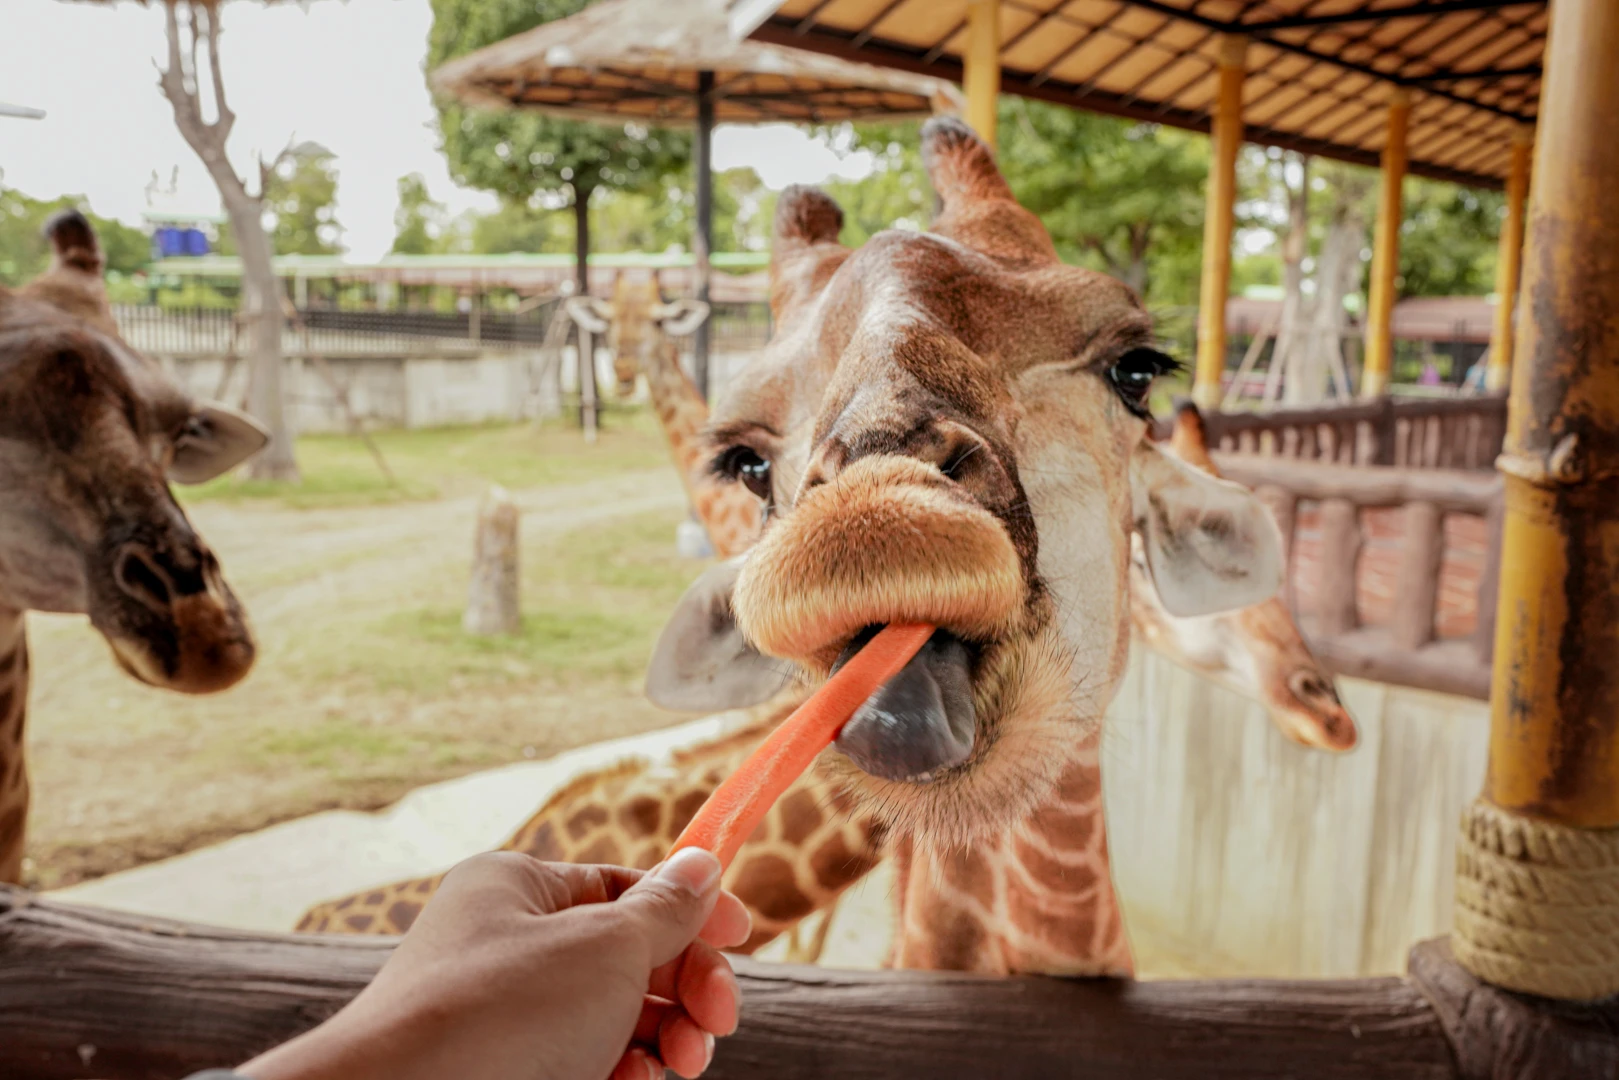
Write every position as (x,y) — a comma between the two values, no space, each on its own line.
(358,694)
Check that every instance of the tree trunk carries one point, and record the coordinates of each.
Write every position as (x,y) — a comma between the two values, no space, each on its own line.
(492,597)
(261,294)
(261,311)
(589,400)
(1294,248)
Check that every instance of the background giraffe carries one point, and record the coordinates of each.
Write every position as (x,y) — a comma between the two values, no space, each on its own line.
(87,523)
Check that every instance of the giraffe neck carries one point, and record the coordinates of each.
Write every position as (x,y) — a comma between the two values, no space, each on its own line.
(13,766)
(1037,899)
(728,512)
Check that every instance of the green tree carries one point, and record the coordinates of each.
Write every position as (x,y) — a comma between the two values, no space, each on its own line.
(421,224)
(516,227)
(301,191)
(1448,239)
(522,154)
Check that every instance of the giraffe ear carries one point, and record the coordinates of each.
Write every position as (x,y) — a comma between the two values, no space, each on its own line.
(1211,545)
(702,663)
(681,317)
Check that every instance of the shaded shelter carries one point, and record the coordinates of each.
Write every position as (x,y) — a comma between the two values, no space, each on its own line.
(1447,89)
(663,63)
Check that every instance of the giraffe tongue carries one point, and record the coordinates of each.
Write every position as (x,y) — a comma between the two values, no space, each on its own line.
(919,722)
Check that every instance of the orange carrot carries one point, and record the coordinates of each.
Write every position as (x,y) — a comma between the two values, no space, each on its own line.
(737,806)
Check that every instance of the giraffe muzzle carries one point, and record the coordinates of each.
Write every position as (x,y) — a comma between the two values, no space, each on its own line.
(919,723)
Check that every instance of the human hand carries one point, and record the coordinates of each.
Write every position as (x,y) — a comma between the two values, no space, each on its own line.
(523,970)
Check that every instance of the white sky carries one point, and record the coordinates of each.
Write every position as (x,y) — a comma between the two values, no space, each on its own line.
(344,73)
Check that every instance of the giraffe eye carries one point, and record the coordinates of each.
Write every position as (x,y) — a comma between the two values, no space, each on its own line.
(1132,375)
(743,464)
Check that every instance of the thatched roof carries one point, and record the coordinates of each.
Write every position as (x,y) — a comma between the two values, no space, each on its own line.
(640,60)
(1320,72)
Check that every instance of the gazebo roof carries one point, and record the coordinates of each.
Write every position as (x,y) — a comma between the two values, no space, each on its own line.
(1319,71)
(640,60)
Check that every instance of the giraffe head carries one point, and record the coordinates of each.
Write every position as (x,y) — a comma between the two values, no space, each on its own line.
(636,320)
(90,434)
(1258,651)
(951,427)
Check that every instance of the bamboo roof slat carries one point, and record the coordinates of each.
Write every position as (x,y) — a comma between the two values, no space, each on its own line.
(1320,71)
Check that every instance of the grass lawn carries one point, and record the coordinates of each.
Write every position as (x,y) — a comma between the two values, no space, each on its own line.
(365,685)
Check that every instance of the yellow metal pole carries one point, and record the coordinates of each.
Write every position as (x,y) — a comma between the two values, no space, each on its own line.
(1498,372)
(1374,380)
(1538,861)
(981,77)
(1220,201)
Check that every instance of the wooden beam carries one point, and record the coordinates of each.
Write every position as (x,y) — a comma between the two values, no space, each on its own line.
(1219,214)
(981,70)
(1083,96)
(1374,379)
(1427,9)
(1455,491)
(85,992)
(1508,260)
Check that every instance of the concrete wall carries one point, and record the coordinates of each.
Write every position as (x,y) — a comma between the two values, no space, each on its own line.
(391,391)
(1238,852)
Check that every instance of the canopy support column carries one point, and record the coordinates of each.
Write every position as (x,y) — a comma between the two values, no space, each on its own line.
(1538,862)
(1218,216)
(703,160)
(1508,260)
(981,64)
(1374,380)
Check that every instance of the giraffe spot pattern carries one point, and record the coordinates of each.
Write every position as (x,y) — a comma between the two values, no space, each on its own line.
(402,914)
(1050,873)
(685,808)
(9,661)
(586,819)
(540,842)
(800,816)
(834,865)
(970,873)
(1065,830)
(772,888)
(604,849)
(641,816)
(375,899)
(360,923)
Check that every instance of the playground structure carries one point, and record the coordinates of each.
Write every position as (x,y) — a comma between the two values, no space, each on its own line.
(1539,864)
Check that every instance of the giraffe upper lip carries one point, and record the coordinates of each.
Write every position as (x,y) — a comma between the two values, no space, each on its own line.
(921,721)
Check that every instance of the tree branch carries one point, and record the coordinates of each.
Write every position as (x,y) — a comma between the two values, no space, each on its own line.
(227,119)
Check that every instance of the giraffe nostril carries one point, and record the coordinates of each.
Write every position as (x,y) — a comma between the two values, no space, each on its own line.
(140,578)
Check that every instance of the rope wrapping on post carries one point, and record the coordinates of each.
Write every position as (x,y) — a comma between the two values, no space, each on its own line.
(1537,905)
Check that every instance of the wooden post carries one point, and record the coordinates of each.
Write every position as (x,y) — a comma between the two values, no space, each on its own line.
(981,66)
(1538,859)
(703,161)
(1508,259)
(587,384)
(1374,380)
(493,605)
(1218,217)
(1340,556)
(1416,591)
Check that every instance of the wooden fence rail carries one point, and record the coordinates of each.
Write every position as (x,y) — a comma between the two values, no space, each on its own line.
(1452,433)
(85,992)
(1407,649)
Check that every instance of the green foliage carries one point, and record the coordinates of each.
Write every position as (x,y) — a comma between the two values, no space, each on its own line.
(24,251)
(522,154)
(421,224)
(896,194)
(1448,239)
(301,194)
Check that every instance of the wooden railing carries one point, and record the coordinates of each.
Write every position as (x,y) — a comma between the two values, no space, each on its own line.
(1391,570)
(1454,433)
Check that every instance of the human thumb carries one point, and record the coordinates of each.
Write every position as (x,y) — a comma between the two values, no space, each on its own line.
(670,905)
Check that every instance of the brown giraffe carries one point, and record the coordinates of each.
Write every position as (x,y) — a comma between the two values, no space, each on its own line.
(88,430)
(950,427)
(1262,654)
